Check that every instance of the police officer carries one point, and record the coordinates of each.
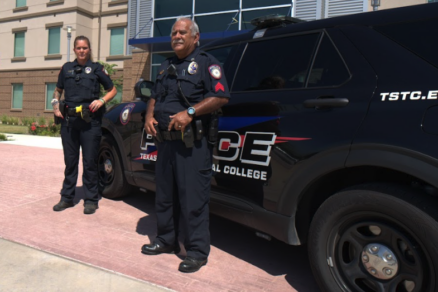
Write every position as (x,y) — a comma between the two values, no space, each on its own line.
(81,118)
(189,87)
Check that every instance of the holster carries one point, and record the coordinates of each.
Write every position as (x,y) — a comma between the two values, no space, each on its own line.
(188,136)
(62,106)
(213,127)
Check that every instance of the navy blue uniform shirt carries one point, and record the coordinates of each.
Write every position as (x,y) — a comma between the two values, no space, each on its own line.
(81,83)
(200,76)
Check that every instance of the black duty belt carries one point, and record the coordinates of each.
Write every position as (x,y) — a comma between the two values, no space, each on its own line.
(171,135)
(71,112)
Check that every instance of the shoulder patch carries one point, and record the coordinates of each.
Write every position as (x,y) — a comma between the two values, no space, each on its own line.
(104,71)
(215,71)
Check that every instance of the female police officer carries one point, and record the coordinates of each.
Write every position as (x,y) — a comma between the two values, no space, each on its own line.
(81,120)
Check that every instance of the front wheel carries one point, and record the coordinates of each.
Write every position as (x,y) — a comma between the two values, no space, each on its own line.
(375,238)
(112,182)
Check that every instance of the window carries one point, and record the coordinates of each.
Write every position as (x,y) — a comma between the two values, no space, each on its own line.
(157,59)
(218,22)
(416,36)
(17,96)
(168,8)
(262,3)
(286,66)
(204,6)
(328,69)
(20,3)
(54,40)
(163,27)
(117,42)
(50,88)
(19,44)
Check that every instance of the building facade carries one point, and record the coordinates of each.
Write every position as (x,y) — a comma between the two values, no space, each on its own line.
(35,37)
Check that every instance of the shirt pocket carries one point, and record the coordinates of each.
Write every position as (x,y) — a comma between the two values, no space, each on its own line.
(191,86)
(89,81)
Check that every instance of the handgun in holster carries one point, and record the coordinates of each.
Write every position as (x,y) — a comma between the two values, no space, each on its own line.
(62,105)
(158,136)
(213,127)
(188,136)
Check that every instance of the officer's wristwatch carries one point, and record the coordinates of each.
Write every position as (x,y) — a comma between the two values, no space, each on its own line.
(191,111)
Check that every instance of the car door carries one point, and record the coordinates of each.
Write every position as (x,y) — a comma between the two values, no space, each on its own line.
(292,98)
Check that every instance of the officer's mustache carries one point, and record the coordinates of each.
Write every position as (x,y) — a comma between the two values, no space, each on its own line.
(177,42)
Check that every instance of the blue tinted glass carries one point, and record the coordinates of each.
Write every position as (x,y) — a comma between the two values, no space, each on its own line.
(167,8)
(218,22)
(117,41)
(19,44)
(54,40)
(163,27)
(50,88)
(263,3)
(159,58)
(17,95)
(203,6)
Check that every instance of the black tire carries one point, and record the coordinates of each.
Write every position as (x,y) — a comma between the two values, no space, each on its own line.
(112,182)
(351,226)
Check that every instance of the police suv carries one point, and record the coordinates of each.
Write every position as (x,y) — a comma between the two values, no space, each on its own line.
(330,138)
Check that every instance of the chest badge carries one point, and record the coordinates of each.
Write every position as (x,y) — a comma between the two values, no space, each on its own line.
(87,70)
(193,68)
(215,71)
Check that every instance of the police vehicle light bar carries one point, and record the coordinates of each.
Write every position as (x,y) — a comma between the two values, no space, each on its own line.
(274,20)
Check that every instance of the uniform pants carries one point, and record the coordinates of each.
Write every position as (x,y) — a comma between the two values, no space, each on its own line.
(183,177)
(79,134)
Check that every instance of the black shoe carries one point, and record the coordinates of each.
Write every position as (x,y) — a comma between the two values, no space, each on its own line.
(61,206)
(155,248)
(190,265)
(90,208)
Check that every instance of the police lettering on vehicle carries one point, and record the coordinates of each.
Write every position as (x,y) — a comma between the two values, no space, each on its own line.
(253,148)
(409,95)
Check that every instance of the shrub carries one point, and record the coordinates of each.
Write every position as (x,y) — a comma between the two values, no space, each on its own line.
(13,121)
(43,130)
(42,121)
(4,119)
(3,137)
(27,121)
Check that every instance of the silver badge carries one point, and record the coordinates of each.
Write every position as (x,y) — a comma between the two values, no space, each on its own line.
(193,67)
(87,70)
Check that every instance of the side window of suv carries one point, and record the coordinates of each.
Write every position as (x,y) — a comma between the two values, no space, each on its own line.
(328,68)
(276,63)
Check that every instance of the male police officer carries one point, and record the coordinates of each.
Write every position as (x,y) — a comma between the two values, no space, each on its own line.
(189,87)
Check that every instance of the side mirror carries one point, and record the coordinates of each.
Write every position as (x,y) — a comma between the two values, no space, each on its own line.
(143,89)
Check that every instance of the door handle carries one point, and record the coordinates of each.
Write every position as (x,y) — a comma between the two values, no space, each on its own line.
(326,102)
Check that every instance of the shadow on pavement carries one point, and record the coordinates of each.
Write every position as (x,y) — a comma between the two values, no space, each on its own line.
(274,257)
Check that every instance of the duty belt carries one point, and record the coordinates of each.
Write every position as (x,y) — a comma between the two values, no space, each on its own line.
(71,112)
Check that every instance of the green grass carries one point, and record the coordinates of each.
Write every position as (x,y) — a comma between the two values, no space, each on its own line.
(10,129)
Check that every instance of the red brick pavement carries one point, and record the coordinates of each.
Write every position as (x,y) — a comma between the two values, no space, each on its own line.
(30,181)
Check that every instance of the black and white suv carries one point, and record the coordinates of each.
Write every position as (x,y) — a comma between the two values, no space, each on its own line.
(330,138)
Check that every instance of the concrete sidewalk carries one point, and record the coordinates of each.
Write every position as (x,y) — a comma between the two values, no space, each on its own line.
(23,268)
